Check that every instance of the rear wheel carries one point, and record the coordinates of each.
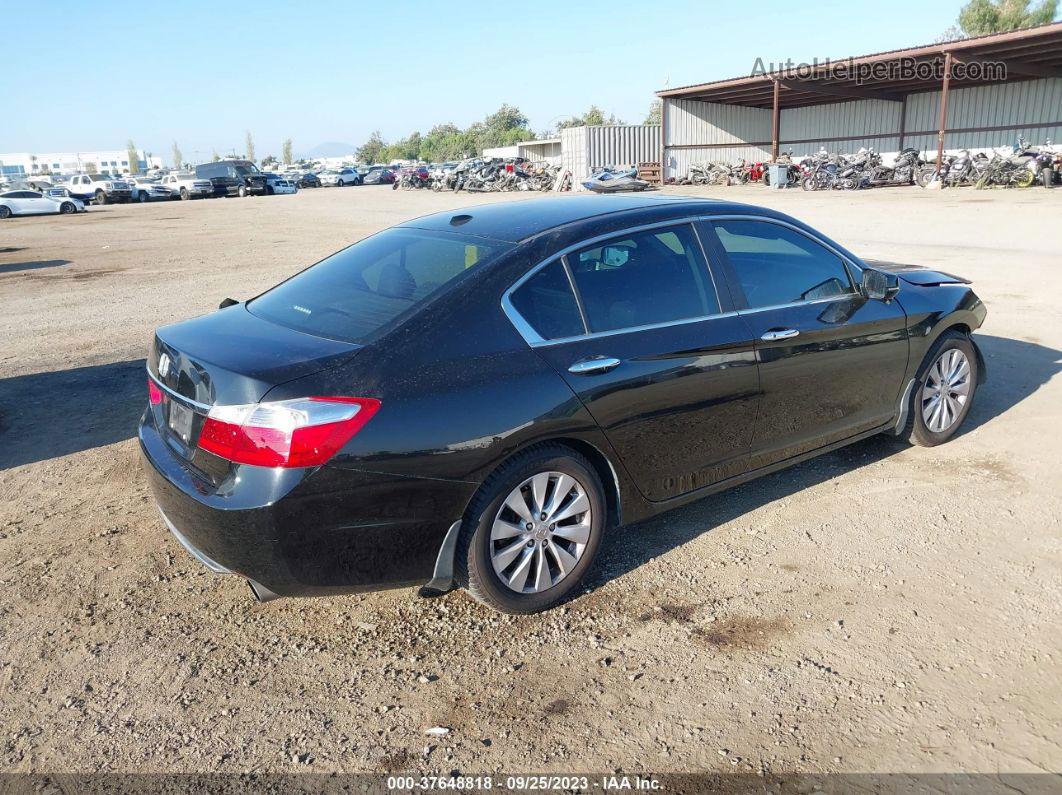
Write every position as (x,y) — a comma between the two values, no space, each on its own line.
(943,391)
(5,211)
(532,531)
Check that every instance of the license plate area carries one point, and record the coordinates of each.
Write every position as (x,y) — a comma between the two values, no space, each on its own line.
(180,421)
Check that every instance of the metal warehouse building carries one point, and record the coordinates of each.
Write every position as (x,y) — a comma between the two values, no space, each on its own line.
(948,95)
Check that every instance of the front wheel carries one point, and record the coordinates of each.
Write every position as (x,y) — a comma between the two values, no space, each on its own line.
(185,196)
(242,192)
(1047,176)
(66,208)
(532,531)
(809,183)
(101,197)
(142,197)
(943,391)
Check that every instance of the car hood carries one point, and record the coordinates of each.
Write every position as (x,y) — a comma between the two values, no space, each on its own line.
(916,274)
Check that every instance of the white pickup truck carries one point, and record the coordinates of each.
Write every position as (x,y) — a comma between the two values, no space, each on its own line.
(187,186)
(99,188)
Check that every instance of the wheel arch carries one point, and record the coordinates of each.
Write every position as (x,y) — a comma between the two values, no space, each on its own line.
(443,576)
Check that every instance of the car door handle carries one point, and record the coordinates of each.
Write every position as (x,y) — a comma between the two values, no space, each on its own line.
(779,334)
(591,366)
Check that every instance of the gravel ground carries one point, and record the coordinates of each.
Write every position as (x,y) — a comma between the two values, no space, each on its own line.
(881,608)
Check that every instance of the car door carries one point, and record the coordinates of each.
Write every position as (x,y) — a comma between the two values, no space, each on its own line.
(831,362)
(636,326)
(38,204)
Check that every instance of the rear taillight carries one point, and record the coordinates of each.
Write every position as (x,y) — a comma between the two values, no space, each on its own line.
(290,433)
(154,393)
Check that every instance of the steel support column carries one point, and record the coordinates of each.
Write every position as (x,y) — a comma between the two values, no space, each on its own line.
(941,128)
(774,122)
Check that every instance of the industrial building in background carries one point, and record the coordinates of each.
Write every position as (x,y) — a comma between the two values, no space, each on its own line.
(111,161)
(936,97)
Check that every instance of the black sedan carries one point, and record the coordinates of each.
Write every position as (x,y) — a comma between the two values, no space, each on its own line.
(476,397)
(307,180)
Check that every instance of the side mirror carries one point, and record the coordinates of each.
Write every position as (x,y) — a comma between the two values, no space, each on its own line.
(227,302)
(880,286)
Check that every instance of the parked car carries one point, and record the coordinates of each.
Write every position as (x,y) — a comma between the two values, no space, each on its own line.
(307,180)
(340,177)
(31,202)
(379,175)
(144,189)
(283,185)
(184,185)
(478,396)
(99,188)
(234,177)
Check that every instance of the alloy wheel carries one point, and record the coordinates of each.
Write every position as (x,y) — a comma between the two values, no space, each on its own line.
(946,390)
(540,532)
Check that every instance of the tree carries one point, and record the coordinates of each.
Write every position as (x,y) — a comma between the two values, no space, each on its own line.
(595,117)
(286,152)
(269,160)
(250,147)
(979,17)
(369,152)
(133,157)
(215,157)
(178,158)
(655,110)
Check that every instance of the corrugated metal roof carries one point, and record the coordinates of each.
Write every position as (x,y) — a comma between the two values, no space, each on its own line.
(1038,48)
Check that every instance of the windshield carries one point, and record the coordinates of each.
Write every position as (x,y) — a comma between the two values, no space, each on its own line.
(358,290)
(99,177)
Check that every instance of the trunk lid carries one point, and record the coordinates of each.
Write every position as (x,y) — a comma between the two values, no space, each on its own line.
(230,357)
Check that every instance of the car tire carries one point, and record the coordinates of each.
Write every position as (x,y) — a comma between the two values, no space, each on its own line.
(242,192)
(66,208)
(950,368)
(185,195)
(484,564)
(269,190)
(5,211)
(142,197)
(101,197)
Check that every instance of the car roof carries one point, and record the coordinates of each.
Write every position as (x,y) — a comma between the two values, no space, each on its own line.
(516,221)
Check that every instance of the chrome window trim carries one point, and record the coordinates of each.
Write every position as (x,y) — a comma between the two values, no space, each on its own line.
(171,393)
(535,340)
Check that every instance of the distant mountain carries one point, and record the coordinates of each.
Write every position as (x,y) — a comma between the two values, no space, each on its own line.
(331,149)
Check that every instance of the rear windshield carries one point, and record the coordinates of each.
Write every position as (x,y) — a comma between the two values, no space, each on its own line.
(360,289)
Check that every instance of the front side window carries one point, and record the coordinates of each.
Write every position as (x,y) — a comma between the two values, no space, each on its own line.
(547,303)
(777,265)
(650,277)
(357,291)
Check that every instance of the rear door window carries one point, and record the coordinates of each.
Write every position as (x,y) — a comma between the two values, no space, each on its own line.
(355,292)
(646,278)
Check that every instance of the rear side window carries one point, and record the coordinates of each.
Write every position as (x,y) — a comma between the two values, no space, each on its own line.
(650,277)
(546,301)
(358,290)
(778,265)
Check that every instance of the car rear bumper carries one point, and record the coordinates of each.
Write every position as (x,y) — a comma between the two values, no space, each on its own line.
(296,532)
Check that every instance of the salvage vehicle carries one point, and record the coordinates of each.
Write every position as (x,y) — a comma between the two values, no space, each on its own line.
(99,188)
(145,189)
(31,202)
(235,177)
(477,397)
(183,185)
(379,175)
(340,178)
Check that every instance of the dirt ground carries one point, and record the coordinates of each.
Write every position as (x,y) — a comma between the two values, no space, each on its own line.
(881,608)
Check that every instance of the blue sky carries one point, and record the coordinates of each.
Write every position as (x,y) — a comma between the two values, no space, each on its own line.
(204,72)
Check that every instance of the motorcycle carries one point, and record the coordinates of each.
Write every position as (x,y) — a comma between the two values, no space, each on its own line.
(903,171)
